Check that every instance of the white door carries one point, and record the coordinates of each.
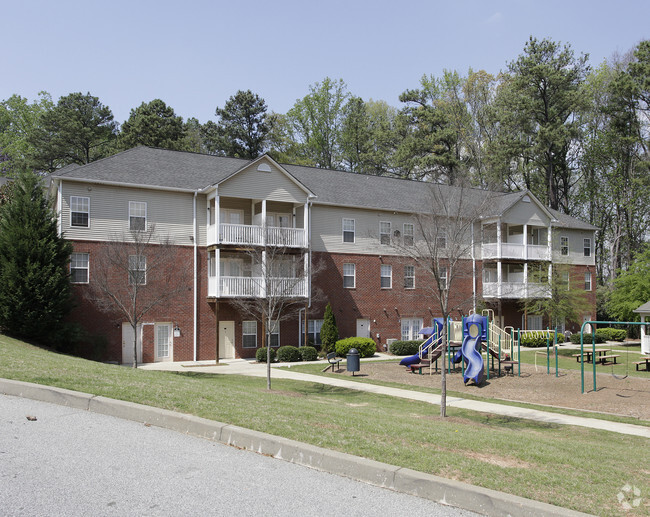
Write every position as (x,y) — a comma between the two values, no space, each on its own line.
(164,342)
(127,343)
(226,340)
(363,328)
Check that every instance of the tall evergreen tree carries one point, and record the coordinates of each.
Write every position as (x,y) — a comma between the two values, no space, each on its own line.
(34,284)
(154,124)
(242,126)
(329,332)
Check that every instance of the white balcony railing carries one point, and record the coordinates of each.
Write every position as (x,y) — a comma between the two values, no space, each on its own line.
(515,290)
(254,287)
(253,235)
(514,251)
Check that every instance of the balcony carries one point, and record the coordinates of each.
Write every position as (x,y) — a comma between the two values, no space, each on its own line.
(515,290)
(514,251)
(254,235)
(253,287)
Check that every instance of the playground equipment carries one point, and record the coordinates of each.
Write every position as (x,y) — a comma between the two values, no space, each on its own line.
(432,343)
(475,330)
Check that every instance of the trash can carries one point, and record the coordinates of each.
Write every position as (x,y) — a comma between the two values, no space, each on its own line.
(352,360)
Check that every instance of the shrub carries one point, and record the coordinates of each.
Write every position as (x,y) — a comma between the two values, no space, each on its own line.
(308,353)
(329,332)
(289,354)
(586,338)
(406,347)
(364,345)
(539,339)
(611,334)
(260,355)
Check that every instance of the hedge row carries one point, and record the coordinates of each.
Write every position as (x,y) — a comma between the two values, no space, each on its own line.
(364,345)
(288,354)
(587,338)
(405,347)
(539,339)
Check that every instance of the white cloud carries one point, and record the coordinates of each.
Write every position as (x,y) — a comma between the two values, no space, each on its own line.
(495,18)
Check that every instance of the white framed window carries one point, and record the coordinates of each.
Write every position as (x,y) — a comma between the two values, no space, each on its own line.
(275,334)
(587,247)
(137,270)
(79,268)
(384,232)
(249,334)
(409,277)
(587,281)
(564,245)
(411,328)
(313,331)
(386,274)
(441,238)
(565,280)
(278,220)
(137,216)
(349,275)
(534,322)
(231,216)
(348,230)
(408,234)
(444,281)
(80,211)
(163,341)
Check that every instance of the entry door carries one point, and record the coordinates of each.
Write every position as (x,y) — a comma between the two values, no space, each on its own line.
(226,340)
(127,343)
(164,342)
(363,328)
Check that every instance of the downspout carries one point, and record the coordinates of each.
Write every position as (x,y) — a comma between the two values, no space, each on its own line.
(196,294)
(59,202)
(309,204)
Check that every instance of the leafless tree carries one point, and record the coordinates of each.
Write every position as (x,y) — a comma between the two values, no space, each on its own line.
(135,272)
(442,248)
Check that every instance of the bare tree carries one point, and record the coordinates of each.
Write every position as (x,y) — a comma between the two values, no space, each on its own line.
(279,280)
(134,273)
(442,248)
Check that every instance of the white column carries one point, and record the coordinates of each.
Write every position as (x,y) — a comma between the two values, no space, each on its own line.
(550,242)
(526,279)
(217,258)
(217,218)
(499,279)
(525,242)
(305,222)
(499,239)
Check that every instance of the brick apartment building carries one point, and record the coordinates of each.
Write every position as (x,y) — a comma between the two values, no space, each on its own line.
(213,209)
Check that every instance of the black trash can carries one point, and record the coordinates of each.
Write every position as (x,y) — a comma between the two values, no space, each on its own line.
(353,360)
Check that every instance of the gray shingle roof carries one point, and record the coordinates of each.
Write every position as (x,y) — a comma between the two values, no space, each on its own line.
(148,166)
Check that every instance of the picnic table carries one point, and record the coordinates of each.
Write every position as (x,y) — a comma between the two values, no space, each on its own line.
(600,351)
(644,360)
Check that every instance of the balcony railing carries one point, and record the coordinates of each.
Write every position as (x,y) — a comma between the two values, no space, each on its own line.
(254,235)
(514,251)
(254,287)
(515,290)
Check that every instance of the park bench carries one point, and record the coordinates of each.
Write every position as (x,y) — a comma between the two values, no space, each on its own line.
(333,361)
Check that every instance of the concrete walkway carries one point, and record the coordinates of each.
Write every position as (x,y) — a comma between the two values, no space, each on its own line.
(253,369)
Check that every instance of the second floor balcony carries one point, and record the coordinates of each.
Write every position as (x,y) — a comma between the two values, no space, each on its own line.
(516,290)
(256,287)
(256,235)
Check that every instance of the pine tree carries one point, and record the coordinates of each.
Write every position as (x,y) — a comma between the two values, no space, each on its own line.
(329,332)
(34,284)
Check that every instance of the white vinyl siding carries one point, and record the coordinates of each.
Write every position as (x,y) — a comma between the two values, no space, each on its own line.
(272,186)
(80,211)
(79,268)
(349,275)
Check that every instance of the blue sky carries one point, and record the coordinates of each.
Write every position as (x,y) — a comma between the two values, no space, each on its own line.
(195,54)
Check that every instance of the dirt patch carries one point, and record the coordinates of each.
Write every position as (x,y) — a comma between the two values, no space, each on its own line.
(626,397)
(499,461)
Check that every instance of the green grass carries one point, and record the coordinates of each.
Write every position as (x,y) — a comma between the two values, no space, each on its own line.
(572,467)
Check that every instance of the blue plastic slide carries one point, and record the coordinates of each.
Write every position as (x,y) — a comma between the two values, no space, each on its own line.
(434,339)
(473,331)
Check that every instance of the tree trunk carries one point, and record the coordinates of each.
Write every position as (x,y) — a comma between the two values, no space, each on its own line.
(443,376)
(135,345)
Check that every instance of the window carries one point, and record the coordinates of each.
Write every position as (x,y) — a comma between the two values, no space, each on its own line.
(565,280)
(348,230)
(137,216)
(564,246)
(587,247)
(163,340)
(534,322)
(212,264)
(249,333)
(587,281)
(275,334)
(313,332)
(349,274)
(443,278)
(79,268)
(384,232)
(411,328)
(408,234)
(386,276)
(441,238)
(409,277)
(80,211)
(137,270)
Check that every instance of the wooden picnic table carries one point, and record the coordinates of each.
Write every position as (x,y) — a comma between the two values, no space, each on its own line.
(588,353)
(644,360)
(603,359)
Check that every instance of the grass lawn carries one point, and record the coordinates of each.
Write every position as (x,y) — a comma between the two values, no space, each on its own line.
(572,467)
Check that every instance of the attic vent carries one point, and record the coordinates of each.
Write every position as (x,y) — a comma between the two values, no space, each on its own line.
(396,233)
(264,167)
(526,199)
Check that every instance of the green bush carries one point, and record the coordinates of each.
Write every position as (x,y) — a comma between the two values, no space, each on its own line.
(289,354)
(538,339)
(260,355)
(329,332)
(611,334)
(308,353)
(406,347)
(586,338)
(364,345)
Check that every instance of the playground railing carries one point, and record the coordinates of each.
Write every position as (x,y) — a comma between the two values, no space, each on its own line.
(456,331)
(502,341)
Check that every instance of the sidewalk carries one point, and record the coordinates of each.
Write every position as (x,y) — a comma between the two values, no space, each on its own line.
(253,369)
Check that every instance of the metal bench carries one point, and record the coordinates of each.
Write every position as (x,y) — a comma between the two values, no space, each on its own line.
(331,358)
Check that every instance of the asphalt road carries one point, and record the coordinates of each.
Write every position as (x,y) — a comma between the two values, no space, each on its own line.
(72,462)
